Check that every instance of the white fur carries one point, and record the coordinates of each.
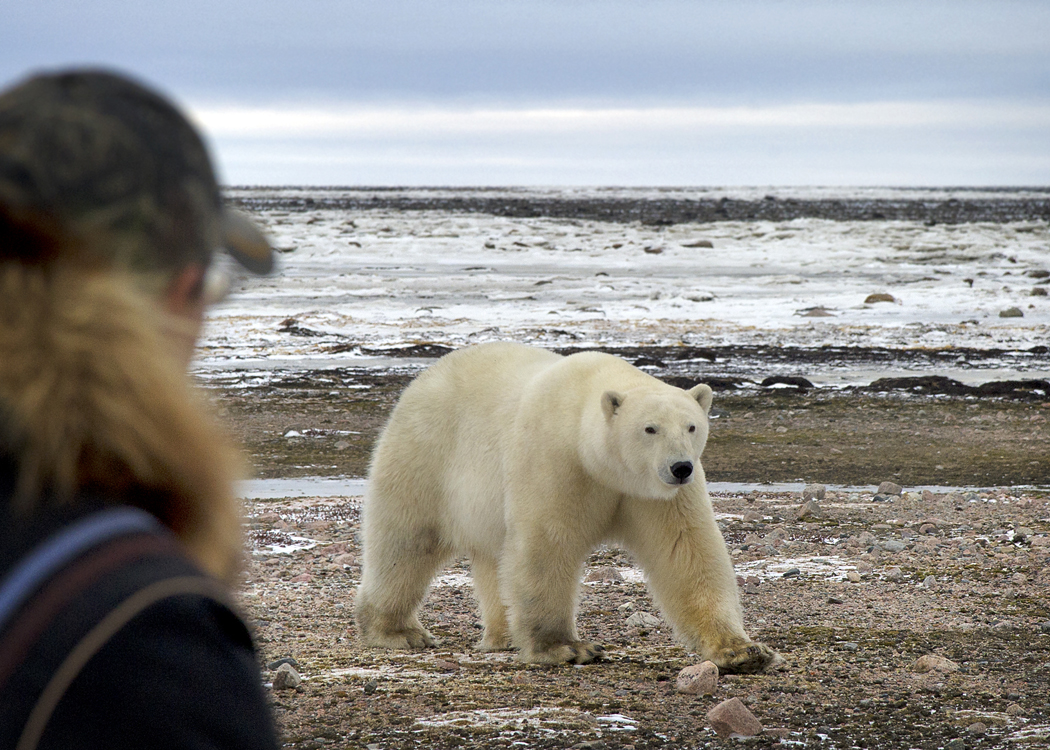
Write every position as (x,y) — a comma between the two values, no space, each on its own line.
(526,461)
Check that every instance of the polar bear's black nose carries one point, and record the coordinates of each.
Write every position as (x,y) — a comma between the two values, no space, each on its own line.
(682,470)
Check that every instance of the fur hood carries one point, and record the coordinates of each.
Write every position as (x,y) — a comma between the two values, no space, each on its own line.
(93,402)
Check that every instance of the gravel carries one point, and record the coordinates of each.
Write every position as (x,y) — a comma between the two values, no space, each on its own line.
(852,618)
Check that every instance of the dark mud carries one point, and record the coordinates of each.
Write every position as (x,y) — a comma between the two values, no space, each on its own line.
(921,430)
(786,435)
(660,212)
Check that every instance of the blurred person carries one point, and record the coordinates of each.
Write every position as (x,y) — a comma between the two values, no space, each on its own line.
(120,532)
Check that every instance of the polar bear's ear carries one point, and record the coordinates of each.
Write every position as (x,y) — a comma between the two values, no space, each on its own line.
(611,401)
(703,395)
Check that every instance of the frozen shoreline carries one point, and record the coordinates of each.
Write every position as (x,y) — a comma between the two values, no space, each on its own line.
(368,288)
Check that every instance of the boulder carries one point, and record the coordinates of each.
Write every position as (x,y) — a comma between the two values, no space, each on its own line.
(699,679)
(732,717)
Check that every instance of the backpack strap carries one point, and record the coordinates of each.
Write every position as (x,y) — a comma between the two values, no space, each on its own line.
(42,586)
(97,637)
(64,546)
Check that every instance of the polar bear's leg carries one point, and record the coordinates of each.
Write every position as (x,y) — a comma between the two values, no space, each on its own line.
(485,571)
(541,583)
(691,578)
(396,572)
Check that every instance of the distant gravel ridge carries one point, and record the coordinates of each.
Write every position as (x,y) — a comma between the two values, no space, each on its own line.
(1035,205)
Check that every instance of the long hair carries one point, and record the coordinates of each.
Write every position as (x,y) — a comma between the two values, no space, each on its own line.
(95,403)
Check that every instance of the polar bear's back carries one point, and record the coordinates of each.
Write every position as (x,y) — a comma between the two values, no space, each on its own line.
(440,457)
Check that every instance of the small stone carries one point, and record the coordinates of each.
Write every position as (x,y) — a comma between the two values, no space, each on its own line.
(286,660)
(834,600)
(956,744)
(341,445)
(370,687)
(447,666)
(302,578)
(978,727)
(929,582)
(1014,709)
(699,243)
(604,574)
(643,620)
(928,528)
(732,717)
(871,299)
(934,663)
(1039,291)
(347,558)
(889,488)
(1011,312)
(810,509)
(814,492)
(699,679)
(286,678)
(928,496)
(792,573)
(653,249)
(894,574)
(853,576)
(892,545)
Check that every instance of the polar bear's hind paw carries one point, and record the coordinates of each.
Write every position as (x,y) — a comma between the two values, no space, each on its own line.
(402,640)
(574,652)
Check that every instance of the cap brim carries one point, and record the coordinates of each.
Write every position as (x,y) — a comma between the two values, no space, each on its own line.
(246,243)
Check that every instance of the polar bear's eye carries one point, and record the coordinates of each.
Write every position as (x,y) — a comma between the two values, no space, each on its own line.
(692,428)
(650,430)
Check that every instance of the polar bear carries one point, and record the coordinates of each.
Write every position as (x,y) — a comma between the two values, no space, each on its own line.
(526,460)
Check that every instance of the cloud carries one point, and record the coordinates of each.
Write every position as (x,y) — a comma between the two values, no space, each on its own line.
(430,121)
(877,143)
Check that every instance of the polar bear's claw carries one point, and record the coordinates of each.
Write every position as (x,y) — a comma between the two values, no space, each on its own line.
(747,658)
(586,652)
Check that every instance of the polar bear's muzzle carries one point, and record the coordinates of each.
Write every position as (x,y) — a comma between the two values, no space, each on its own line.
(680,472)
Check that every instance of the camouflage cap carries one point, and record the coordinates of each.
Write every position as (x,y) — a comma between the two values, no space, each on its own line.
(115,171)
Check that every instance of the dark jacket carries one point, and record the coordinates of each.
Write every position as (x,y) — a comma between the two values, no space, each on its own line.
(180,673)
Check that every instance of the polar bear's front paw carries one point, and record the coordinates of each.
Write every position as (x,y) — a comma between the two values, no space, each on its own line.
(746,658)
(574,652)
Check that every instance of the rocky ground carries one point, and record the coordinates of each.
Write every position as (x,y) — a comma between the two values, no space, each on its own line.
(853,593)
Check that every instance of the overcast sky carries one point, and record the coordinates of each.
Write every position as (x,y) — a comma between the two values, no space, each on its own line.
(624,92)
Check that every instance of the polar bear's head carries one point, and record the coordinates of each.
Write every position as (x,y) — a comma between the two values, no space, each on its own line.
(653,439)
